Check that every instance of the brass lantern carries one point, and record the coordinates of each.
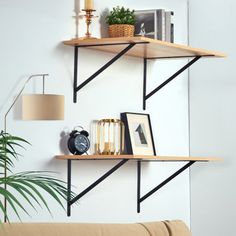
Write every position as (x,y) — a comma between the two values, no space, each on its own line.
(110,137)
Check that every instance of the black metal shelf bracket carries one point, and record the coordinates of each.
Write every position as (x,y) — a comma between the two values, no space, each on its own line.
(110,62)
(71,201)
(141,199)
(147,96)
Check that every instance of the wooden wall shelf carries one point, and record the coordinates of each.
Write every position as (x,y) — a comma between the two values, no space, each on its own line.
(135,157)
(141,47)
(145,47)
(122,159)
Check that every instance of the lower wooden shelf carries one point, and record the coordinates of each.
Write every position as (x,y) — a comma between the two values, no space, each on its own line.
(135,157)
(122,160)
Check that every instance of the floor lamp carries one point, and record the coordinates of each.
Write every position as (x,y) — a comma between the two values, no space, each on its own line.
(36,107)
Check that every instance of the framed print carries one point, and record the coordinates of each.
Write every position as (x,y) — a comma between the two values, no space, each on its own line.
(146,23)
(138,134)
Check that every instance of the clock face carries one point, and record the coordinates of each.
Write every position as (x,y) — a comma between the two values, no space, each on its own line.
(81,143)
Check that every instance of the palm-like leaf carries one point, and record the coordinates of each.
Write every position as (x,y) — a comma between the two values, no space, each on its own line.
(27,184)
(7,149)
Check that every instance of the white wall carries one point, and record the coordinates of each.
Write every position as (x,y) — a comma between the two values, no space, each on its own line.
(31,42)
(213,113)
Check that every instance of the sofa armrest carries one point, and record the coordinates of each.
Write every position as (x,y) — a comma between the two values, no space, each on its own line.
(167,228)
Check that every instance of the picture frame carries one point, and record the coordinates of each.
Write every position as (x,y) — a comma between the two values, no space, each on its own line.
(146,23)
(138,134)
(154,24)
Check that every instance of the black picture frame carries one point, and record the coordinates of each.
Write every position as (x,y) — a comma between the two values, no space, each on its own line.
(146,23)
(138,134)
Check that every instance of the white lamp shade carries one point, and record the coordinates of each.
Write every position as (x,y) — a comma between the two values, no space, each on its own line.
(43,107)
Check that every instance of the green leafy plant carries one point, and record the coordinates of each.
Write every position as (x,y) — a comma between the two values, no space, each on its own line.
(120,15)
(27,184)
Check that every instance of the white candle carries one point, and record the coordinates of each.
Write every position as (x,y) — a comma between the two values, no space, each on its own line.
(88,5)
(77,6)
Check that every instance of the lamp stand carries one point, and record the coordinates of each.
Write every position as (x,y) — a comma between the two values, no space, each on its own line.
(5,127)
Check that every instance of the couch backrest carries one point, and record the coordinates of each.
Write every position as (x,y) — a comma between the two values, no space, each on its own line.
(163,228)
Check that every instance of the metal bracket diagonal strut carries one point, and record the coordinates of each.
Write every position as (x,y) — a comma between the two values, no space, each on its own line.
(140,199)
(145,97)
(76,89)
(89,188)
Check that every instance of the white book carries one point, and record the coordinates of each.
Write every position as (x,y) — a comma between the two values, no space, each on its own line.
(168,26)
(161,24)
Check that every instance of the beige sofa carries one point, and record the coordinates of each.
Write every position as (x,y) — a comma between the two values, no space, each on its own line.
(161,228)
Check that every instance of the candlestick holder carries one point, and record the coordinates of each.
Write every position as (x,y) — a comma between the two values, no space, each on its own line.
(88,19)
(77,18)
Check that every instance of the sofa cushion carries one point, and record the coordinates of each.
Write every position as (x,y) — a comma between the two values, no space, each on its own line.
(72,229)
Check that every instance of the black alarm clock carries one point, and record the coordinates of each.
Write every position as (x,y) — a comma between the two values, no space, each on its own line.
(78,142)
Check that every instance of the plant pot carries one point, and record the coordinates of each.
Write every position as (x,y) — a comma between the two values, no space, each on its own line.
(121,30)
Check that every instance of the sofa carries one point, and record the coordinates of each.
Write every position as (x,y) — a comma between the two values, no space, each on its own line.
(159,228)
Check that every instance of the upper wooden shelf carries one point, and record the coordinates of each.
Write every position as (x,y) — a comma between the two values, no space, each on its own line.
(144,48)
(135,157)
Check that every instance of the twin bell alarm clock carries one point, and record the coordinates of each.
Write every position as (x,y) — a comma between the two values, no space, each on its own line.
(78,142)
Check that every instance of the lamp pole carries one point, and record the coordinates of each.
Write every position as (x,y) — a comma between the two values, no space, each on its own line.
(5,128)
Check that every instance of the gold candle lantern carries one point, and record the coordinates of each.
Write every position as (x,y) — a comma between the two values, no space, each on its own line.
(110,137)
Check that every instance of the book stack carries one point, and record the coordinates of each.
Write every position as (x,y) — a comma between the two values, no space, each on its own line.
(156,24)
(165,26)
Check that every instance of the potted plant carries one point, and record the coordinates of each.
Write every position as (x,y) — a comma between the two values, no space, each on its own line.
(121,22)
(29,185)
